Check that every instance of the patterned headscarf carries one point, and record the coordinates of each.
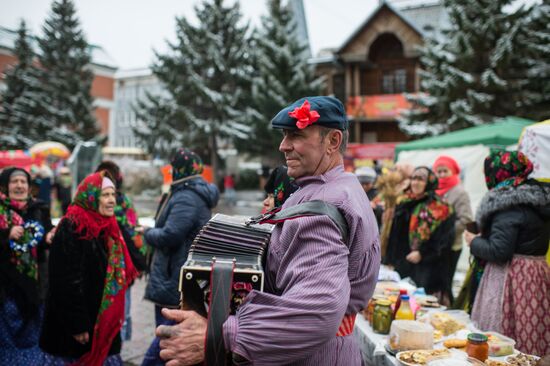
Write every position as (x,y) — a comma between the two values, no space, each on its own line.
(185,164)
(428,214)
(506,168)
(120,272)
(280,185)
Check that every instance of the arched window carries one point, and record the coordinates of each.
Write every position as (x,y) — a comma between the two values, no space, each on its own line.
(386,52)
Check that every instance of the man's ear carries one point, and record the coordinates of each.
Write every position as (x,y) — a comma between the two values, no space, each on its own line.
(334,141)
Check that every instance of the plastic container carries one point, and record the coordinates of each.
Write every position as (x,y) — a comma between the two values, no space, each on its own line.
(410,335)
(499,345)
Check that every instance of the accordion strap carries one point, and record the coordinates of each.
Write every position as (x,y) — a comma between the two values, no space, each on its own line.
(309,208)
(221,283)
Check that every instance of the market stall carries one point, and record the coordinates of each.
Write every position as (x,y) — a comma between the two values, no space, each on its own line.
(426,333)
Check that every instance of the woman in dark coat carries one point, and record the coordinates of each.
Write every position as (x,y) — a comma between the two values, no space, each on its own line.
(180,217)
(90,270)
(514,217)
(421,236)
(23,268)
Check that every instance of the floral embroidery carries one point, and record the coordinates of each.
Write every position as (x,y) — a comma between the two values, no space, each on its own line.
(425,219)
(24,261)
(115,278)
(304,116)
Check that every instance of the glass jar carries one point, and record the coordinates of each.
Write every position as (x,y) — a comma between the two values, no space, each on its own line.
(370,307)
(477,346)
(382,317)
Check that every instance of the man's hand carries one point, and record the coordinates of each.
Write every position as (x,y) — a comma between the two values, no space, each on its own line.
(414,257)
(16,232)
(182,344)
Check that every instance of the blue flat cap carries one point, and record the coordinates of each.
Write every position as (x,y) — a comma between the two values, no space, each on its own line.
(320,110)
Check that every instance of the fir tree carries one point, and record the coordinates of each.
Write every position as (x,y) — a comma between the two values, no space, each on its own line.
(476,71)
(14,133)
(63,99)
(207,78)
(283,75)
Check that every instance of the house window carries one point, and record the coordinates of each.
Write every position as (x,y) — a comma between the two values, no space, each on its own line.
(394,81)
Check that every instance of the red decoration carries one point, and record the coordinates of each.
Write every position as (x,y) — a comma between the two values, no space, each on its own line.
(304,116)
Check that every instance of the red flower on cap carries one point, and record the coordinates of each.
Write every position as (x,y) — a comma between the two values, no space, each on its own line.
(304,116)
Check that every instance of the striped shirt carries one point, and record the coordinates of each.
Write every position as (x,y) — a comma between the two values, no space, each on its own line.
(312,280)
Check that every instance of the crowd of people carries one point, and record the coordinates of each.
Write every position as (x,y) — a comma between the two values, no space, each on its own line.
(64,290)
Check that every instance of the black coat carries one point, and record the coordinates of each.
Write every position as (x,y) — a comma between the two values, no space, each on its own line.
(77,276)
(27,293)
(513,221)
(431,271)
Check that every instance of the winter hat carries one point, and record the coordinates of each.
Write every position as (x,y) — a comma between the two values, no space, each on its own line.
(280,185)
(185,163)
(320,110)
(448,162)
(365,174)
(506,168)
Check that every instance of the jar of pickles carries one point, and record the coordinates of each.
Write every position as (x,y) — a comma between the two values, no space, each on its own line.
(382,317)
(477,346)
(369,311)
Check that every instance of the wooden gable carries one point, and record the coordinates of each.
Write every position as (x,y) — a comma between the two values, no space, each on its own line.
(384,20)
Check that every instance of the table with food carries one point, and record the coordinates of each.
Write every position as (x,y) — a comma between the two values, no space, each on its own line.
(403,326)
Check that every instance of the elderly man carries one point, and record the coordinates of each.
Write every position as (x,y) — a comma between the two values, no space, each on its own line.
(315,282)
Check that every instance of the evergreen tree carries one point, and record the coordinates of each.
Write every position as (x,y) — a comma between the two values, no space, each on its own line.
(536,59)
(14,132)
(476,71)
(283,75)
(207,77)
(64,103)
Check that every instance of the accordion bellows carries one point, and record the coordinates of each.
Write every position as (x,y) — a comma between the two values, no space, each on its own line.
(224,239)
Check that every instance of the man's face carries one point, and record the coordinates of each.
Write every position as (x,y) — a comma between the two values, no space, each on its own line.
(304,151)
(367,186)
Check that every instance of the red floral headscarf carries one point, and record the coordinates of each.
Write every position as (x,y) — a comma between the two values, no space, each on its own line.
(506,168)
(84,213)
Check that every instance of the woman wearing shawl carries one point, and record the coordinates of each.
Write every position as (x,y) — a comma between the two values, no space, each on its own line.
(24,226)
(514,218)
(421,236)
(90,270)
(451,190)
(127,220)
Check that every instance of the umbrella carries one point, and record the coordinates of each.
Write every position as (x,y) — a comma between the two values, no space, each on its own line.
(50,148)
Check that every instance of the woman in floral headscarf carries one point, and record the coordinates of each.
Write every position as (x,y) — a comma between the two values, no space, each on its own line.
(179,218)
(24,226)
(514,218)
(421,236)
(90,270)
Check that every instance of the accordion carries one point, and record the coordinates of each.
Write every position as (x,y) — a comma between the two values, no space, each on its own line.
(224,241)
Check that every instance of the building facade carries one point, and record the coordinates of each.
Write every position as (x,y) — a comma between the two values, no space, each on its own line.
(377,65)
(102,66)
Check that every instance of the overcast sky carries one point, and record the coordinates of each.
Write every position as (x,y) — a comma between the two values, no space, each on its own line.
(130,29)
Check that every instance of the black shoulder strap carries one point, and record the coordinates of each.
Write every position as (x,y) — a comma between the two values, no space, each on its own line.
(309,208)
